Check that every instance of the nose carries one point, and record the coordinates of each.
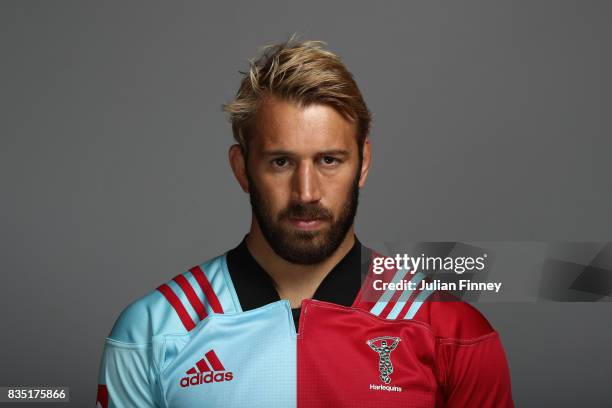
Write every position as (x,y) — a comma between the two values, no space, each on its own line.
(306,184)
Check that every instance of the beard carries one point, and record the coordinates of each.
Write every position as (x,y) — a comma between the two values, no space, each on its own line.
(298,246)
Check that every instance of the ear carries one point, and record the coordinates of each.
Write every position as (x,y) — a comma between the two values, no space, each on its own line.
(365,163)
(238,163)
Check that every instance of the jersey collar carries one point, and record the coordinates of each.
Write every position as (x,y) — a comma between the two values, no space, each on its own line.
(255,288)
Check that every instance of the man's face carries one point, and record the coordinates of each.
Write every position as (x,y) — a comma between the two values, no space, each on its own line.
(304,174)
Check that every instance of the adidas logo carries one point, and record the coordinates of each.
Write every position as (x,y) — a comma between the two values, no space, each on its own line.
(207,370)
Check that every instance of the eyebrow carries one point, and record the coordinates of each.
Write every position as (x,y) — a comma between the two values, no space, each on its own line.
(332,152)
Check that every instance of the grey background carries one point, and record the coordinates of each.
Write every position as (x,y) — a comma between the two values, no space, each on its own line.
(491,124)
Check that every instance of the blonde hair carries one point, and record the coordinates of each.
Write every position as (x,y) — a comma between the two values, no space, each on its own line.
(302,72)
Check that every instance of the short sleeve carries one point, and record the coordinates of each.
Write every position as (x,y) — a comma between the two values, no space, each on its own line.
(475,373)
(126,377)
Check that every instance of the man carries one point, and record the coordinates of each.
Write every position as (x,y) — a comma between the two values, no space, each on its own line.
(290,316)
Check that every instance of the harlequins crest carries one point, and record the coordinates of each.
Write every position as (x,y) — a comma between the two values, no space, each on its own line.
(384,346)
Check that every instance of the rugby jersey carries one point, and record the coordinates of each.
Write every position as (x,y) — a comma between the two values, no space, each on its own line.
(218,335)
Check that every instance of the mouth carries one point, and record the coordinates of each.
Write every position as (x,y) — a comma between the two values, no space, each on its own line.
(307,224)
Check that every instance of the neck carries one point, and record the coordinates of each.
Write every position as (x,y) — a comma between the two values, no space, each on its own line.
(294,282)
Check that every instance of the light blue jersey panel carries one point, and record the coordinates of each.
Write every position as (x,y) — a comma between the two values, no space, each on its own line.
(152,314)
(128,373)
(238,360)
(218,275)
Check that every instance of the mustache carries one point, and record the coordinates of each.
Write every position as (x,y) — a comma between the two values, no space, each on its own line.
(306,212)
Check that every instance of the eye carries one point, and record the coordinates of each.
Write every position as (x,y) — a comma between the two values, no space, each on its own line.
(330,160)
(280,162)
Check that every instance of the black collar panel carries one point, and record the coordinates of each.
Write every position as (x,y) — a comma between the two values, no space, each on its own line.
(255,288)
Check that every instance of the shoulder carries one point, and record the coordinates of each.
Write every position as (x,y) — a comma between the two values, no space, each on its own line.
(398,294)
(452,318)
(177,305)
(446,316)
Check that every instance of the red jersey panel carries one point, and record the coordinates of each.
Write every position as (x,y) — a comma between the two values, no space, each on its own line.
(401,348)
(350,358)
